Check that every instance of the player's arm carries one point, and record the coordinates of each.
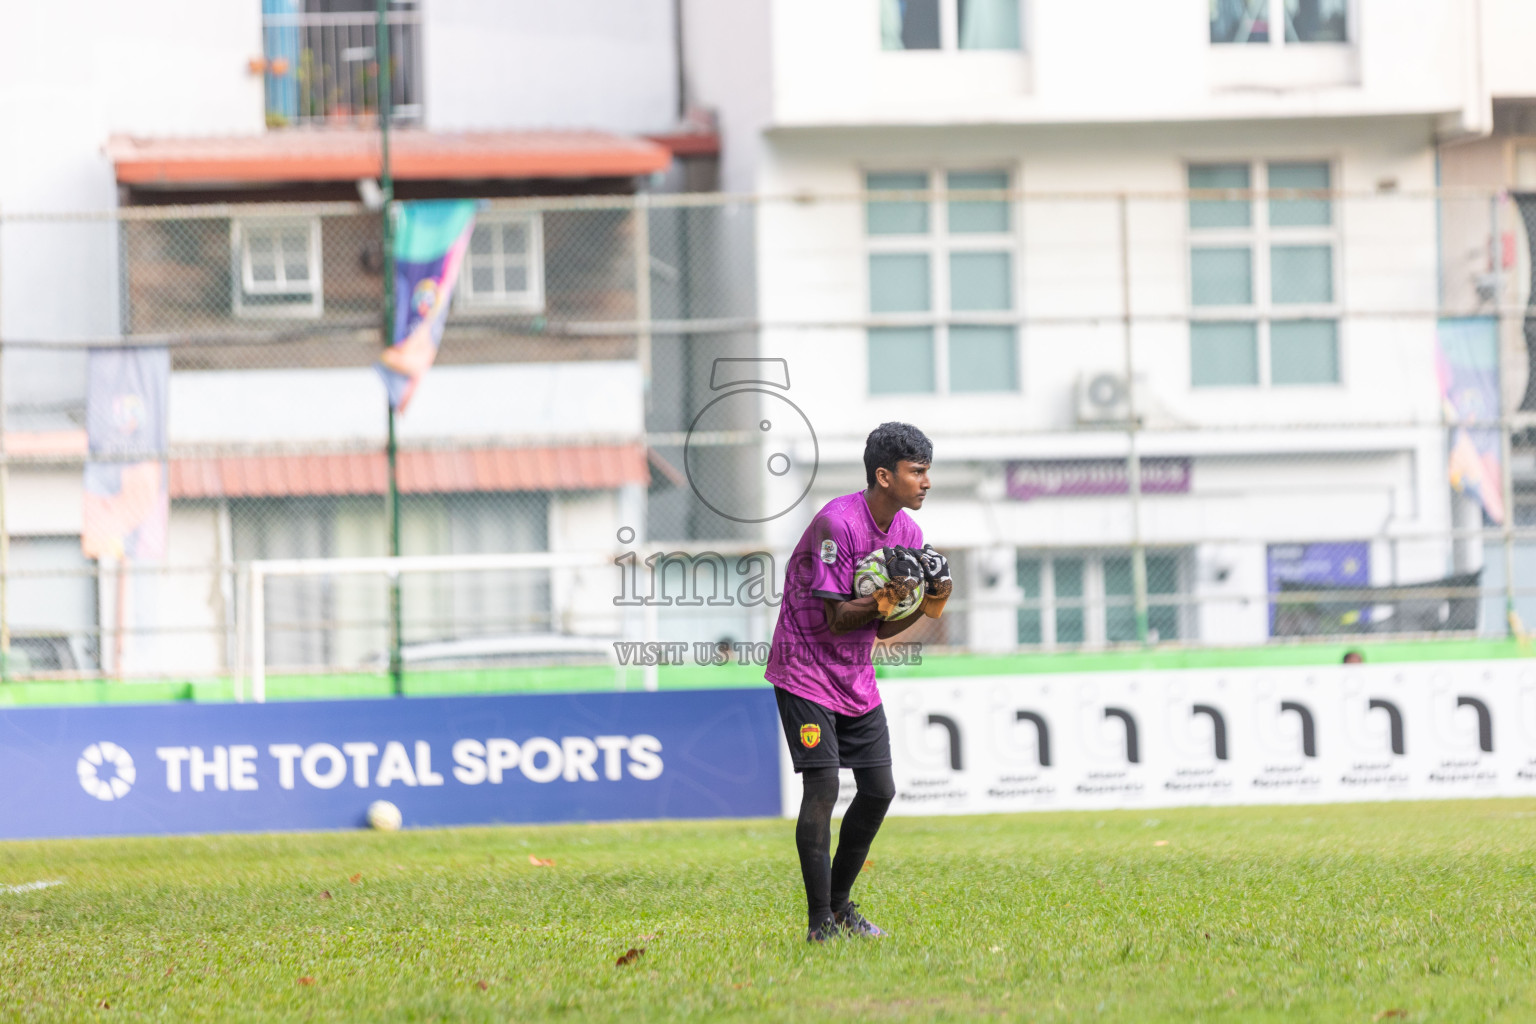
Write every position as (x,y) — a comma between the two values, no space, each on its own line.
(906,575)
(845,616)
(832,581)
(887,629)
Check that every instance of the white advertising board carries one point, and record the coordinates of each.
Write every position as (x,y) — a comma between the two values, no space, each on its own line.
(1168,738)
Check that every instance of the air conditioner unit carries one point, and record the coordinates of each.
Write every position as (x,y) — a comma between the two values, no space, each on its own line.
(1103,398)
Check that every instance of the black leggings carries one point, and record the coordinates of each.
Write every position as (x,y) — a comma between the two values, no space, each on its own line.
(828,880)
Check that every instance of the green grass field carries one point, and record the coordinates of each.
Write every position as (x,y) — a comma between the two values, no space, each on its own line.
(1345,913)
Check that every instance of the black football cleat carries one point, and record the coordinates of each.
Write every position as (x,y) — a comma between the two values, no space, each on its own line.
(854,923)
(823,930)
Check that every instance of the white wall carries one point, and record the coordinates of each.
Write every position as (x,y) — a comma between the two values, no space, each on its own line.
(1271,464)
(607,64)
(728,48)
(69,79)
(190,599)
(812,266)
(43,500)
(527,400)
(1509,29)
(582,598)
(1115,61)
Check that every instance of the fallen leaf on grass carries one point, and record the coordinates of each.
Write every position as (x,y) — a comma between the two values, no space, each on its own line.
(169,971)
(103,1005)
(1161,842)
(325,894)
(742,984)
(306,980)
(630,956)
(1396,1011)
(482,986)
(356,878)
(869,864)
(540,862)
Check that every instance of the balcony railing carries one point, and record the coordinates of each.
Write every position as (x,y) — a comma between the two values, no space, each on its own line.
(322,68)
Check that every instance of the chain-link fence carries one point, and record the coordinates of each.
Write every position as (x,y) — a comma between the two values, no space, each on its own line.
(1230,416)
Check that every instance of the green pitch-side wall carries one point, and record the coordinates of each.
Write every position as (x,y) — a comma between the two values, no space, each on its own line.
(578,679)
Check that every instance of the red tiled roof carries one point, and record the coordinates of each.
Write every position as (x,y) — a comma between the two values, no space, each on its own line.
(483,469)
(350,154)
(689,143)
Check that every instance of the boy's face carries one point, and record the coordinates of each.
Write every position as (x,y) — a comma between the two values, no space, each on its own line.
(908,485)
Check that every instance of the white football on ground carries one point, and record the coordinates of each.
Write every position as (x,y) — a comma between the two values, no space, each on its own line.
(384,816)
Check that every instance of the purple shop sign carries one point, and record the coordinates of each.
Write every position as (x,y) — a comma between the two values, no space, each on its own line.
(1076,478)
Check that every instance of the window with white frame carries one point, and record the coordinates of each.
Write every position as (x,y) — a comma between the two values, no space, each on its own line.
(1264,293)
(949,25)
(1086,598)
(277,267)
(1299,21)
(504,266)
(943,268)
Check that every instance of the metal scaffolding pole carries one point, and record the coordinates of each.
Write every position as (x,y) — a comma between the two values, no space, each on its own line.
(387,186)
(1133,426)
(5,530)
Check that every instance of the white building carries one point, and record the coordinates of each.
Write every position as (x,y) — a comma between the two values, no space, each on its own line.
(264,101)
(1284,351)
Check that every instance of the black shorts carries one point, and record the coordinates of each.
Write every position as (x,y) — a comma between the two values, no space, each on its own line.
(821,738)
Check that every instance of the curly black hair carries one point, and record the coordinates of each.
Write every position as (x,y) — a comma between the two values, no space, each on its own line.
(889,443)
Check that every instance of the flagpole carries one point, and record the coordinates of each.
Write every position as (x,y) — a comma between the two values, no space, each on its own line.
(387,187)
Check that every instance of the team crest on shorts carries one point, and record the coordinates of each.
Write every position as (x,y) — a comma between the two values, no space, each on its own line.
(810,734)
(829,551)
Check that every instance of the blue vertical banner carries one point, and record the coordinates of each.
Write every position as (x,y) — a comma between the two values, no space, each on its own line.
(127,507)
(1467,364)
(431,238)
(127,504)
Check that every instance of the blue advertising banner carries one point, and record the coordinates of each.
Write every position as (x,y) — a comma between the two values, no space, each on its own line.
(114,770)
(1331,563)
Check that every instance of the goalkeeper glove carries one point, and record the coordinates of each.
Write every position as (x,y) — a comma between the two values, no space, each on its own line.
(904,573)
(936,581)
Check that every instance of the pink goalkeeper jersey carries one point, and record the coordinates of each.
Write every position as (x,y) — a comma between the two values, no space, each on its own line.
(806,658)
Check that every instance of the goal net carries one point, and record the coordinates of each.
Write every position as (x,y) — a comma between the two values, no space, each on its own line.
(459,613)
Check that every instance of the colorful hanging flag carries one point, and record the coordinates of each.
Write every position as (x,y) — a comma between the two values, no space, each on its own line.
(127,504)
(431,238)
(1467,364)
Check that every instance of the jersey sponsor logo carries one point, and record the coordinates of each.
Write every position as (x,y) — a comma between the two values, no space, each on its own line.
(829,551)
(810,734)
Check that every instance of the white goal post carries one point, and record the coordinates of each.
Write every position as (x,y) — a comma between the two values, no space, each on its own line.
(576,580)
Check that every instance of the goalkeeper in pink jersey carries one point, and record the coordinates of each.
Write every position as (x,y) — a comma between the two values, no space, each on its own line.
(821,671)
